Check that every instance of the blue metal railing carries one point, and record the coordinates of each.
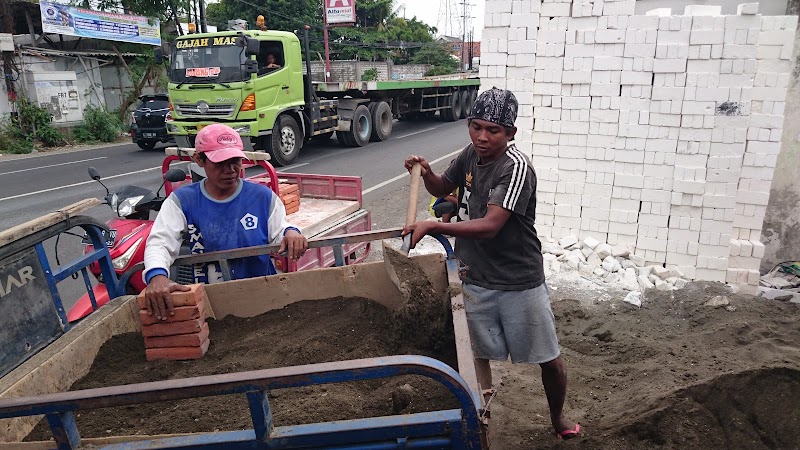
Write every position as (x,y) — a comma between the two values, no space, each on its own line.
(455,428)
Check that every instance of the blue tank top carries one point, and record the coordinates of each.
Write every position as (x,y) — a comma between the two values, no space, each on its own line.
(239,221)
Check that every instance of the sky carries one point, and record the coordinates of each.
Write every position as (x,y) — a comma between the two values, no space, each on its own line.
(428,12)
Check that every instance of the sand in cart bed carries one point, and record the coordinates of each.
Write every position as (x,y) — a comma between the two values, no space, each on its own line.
(673,374)
(301,333)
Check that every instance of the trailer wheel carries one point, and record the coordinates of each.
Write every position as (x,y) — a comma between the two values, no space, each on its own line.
(285,141)
(381,121)
(453,112)
(466,104)
(360,127)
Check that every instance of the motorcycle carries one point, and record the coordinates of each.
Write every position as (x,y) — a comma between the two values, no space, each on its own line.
(126,237)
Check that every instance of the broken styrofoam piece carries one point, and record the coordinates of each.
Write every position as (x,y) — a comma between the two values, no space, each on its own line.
(585,269)
(645,271)
(573,261)
(628,280)
(591,242)
(586,252)
(719,300)
(661,272)
(610,264)
(661,285)
(555,249)
(555,266)
(627,264)
(603,251)
(703,10)
(619,251)
(644,283)
(681,283)
(636,259)
(600,272)
(747,9)
(567,241)
(634,298)
(594,260)
(779,294)
(775,282)
(661,12)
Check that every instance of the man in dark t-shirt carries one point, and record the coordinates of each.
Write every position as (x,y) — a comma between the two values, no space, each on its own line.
(506,299)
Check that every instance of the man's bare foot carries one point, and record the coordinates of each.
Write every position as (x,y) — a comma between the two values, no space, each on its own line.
(565,429)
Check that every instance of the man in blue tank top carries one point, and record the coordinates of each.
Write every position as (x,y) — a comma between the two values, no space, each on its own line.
(222,212)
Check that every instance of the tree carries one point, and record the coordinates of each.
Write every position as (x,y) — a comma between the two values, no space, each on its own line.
(438,55)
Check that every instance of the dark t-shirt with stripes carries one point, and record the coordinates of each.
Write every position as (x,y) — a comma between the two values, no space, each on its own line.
(512,260)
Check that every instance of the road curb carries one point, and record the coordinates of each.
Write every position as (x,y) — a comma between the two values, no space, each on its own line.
(61,151)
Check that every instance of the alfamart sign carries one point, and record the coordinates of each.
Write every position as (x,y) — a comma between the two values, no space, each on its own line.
(340,12)
(64,19)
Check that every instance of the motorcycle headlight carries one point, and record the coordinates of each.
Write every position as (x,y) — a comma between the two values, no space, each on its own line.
(121,262)
(127,206)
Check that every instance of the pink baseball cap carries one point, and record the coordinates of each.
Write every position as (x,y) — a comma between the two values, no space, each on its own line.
(219,142)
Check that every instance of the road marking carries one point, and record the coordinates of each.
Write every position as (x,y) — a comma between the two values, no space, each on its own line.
(77,184)
(52,165)
(293,166)
(405,175)
(417,132)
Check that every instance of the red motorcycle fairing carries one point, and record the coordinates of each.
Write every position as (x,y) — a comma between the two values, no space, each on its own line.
(83,306)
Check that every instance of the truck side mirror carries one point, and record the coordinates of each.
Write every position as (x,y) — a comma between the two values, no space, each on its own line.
(252,46)
(250,66)
(158,56)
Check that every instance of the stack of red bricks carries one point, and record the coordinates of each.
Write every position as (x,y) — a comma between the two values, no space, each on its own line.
(183,335)
(290,196)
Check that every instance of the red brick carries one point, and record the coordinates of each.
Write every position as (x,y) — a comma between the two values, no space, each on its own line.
(290,198)
(182,313)
(177,353)
(192,297)
(293,209)
(173,328)
(180,340)
(286,188)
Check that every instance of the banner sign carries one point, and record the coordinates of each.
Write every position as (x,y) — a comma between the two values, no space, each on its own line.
(340,12)
(64,19)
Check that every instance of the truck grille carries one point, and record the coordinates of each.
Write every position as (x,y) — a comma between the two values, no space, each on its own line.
(193,110)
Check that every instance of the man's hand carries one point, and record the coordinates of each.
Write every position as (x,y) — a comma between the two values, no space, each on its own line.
(294,244)
(419,229)
(414,159)
(157,296)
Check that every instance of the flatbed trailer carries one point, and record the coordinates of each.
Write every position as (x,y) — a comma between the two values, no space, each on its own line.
(278,109)
(40,385)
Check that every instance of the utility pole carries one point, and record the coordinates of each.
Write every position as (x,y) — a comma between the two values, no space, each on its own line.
(465,15)
(203,25)
(471,44)
(7,26)
(325,42)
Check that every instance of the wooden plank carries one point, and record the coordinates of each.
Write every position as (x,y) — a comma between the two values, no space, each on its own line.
(65,361)
(252,156)
(254,296)
(40,223)
(316,214)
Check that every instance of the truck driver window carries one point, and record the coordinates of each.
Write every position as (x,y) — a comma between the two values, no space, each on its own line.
(270,58)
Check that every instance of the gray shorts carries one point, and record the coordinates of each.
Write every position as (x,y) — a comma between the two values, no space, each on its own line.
(515,323)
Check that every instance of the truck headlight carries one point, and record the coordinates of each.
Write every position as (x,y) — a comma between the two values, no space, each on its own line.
(244,129)
(172,128)
(122,261)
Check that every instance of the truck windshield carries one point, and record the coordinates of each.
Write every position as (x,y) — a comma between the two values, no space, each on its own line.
(217,64)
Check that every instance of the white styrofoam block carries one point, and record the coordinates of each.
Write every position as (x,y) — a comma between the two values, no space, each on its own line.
(669,65)
(607,63)
(674,37)
(659,12)
(555,9)
(742,22)
(747,9)
(702,10)
(619,8)
(639,50)
(636,78)
(707,37)
(609,36)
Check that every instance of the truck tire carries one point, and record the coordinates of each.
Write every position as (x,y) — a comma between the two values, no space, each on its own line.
(466,104)
(381,121)
(453,112)
(344,139)
(360,127)
(285,141)
(146,145)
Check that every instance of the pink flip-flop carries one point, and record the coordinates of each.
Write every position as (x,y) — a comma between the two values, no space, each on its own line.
(569,434)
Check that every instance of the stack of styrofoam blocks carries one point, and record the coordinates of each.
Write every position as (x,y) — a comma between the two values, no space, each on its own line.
(684,123)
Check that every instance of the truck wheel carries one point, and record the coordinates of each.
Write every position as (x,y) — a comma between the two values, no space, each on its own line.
(381,121)
(466,104)
(285,141)
(453,112)
(360,127)
(146,145)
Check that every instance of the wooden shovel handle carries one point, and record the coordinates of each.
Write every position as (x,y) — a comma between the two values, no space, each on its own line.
(413,194)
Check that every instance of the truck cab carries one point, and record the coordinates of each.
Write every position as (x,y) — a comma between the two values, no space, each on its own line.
(250,80)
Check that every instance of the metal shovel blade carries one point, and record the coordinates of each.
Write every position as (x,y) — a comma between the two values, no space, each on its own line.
(393,260)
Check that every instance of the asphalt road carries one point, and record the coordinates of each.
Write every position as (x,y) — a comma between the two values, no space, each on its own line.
(36,185)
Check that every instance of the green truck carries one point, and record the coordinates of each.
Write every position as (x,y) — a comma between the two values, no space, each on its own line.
(254,81)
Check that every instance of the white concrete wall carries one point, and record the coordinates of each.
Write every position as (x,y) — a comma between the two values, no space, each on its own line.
(658,133)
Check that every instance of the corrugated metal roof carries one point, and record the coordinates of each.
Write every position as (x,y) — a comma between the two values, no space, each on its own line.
(51,52)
